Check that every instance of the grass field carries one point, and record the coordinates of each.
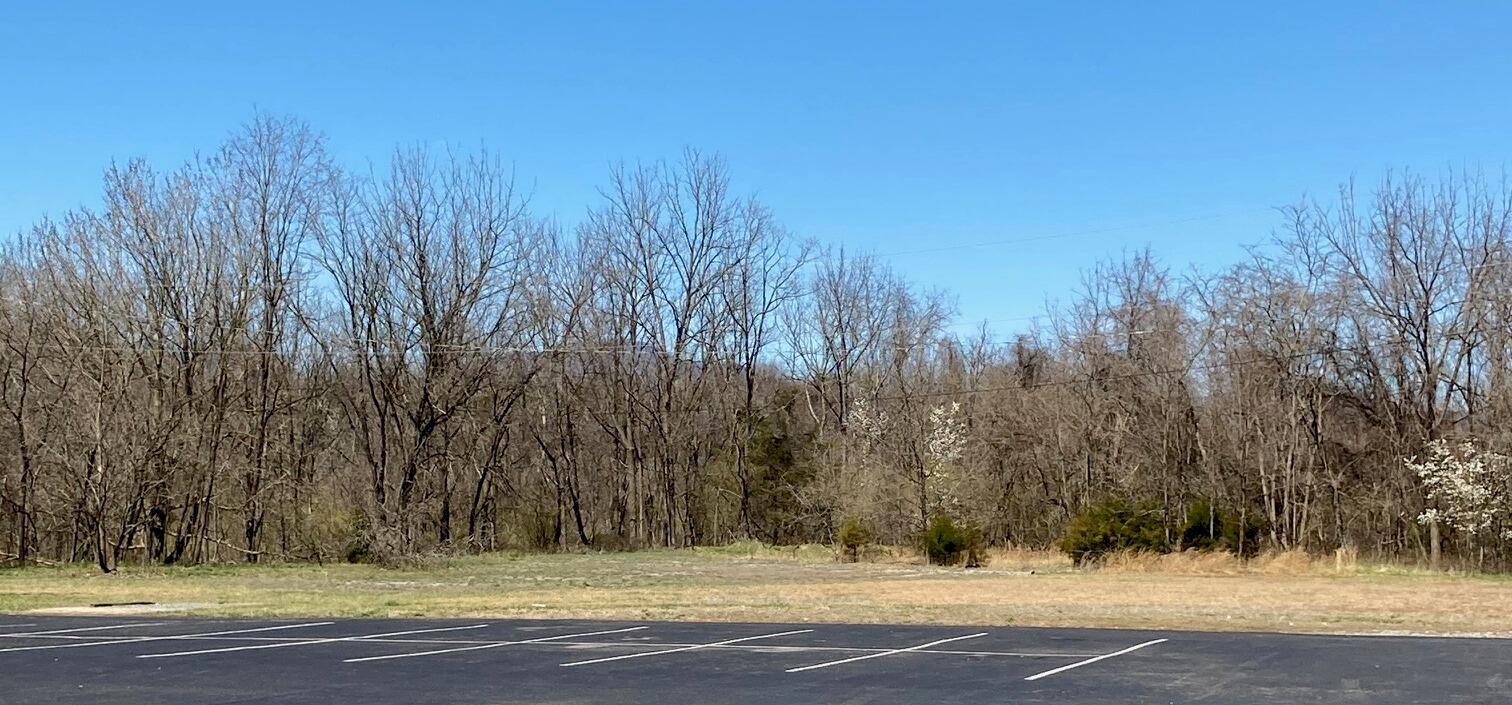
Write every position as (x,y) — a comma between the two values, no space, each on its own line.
(753,583)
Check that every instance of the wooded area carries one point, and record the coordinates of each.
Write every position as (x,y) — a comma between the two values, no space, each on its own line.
(260,355)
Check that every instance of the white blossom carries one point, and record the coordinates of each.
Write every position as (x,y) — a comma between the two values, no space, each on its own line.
(947,434)
(866,422)
(1468,488)
(943,445)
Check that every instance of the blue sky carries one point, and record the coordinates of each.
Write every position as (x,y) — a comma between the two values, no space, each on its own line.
(893,127)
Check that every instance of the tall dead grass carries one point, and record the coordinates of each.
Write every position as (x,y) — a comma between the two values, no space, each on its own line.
(1013,558)
(1017,559)
(1344,561)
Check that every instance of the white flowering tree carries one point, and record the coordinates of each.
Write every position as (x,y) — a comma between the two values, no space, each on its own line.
(1468,488)
(859,482)
(867,424)
(944,444)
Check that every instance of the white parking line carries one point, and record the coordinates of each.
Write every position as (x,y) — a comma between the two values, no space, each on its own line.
(889,652)
(308,642)
(687,648)
(492,645)
(556,641)
(82,629)
(1094,659)
(139,639)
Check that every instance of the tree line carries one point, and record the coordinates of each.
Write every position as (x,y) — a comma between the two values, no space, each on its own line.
(259,355)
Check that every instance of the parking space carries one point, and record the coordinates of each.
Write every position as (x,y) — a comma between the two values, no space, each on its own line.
(170,661)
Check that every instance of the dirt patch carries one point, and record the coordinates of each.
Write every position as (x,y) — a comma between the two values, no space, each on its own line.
(128,608)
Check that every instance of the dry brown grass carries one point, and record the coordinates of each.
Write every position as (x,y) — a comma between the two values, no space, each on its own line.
(1219,563)
(748,582)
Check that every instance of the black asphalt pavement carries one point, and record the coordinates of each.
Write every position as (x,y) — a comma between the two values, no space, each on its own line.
(180,661)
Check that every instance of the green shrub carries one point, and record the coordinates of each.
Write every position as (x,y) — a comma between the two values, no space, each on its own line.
(1114,525)
(947,543)
(371,543)
(1211,528)
(358,547)
(853,537)
(539,531)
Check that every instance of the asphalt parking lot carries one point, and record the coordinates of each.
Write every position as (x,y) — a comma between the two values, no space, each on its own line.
(173,661)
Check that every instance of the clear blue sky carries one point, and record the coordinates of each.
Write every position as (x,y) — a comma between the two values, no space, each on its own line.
(885,126)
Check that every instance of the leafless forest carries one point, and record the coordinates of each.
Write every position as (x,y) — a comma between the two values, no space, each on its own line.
(261,356)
